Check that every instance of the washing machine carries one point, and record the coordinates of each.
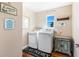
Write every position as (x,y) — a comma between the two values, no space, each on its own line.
(32,39)
(45,41)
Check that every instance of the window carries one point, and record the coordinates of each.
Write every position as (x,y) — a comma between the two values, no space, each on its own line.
(25,22)
(50,21)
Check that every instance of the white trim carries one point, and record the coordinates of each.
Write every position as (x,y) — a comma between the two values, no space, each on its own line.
(24,47)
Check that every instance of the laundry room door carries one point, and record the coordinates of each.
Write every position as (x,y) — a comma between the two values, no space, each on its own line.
(75,27)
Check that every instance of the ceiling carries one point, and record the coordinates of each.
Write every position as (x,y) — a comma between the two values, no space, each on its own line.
(41,6)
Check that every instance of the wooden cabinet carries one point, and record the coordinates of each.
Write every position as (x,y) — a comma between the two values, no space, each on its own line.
(63,45)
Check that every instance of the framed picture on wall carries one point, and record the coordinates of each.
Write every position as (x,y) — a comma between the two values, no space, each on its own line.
(8,9)
(9,23)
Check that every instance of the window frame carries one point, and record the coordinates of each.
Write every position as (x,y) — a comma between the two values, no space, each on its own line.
(28,22)
(55,19)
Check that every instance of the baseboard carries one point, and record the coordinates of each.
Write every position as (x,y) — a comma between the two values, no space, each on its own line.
(24,47)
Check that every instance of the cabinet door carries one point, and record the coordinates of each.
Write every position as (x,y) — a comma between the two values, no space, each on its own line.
(66,47)
(57,45)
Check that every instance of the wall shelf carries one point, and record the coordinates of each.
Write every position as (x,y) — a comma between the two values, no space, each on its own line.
(64,18)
